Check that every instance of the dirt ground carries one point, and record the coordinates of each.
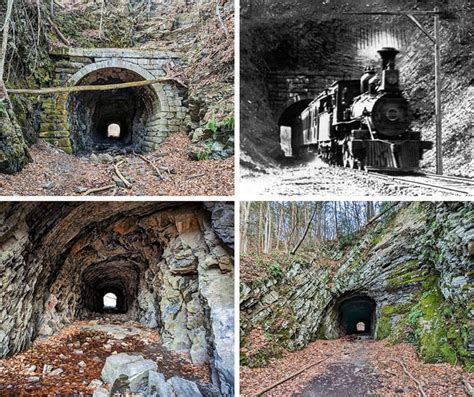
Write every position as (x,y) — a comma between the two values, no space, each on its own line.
(55,173)
(80,350)
(355,367)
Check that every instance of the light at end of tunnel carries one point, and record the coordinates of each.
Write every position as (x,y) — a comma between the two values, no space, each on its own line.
(113,131)
(360,327)
(110,300)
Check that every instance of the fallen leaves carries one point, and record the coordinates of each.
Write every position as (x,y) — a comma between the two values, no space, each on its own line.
(54,172)
(378,361)
(72,360)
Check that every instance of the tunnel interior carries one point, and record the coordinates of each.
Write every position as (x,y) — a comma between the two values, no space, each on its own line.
(357,316)
(111,119)
(165,262)
(118,278)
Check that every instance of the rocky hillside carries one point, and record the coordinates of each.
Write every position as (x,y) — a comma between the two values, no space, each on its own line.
(414,265)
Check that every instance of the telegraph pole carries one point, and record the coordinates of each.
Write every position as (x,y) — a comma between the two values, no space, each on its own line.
(439,135)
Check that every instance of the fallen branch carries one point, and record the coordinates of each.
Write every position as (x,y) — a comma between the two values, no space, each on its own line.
(78,88)
(120,175)
(152,165)
(57,31)
(195,176)
(468,387)
(273,385)
(98,189)
(418,383)
(221,21)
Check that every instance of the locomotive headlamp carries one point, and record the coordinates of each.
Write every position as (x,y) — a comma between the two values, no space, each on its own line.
(392,78)
(392,114)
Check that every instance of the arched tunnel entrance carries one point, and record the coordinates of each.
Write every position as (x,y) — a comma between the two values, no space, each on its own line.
(357,316)
(286,121)
(111,119)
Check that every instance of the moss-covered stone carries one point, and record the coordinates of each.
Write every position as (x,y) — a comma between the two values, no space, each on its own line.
(14,154)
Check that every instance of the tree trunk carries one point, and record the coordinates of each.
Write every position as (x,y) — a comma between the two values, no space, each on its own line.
(305,232)
(244,225)
(260,228)
(6,28)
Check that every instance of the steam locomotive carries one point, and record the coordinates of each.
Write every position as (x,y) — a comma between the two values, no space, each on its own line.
(362,123)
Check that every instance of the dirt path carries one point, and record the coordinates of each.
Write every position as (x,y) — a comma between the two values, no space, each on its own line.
(353,376)
(355,368)
(79,351)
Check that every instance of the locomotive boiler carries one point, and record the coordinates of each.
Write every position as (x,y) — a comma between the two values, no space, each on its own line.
(362,123)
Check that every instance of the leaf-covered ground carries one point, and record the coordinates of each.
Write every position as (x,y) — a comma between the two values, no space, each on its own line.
(80,351)
(355,367)
(53,172)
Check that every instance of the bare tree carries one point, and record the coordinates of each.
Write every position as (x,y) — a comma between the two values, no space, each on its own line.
(293,251)
(5,28)
(244,225)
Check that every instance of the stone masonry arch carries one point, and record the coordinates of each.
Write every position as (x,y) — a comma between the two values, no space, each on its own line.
(160,106)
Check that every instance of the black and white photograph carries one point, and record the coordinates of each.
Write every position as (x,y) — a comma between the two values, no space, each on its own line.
(360,98)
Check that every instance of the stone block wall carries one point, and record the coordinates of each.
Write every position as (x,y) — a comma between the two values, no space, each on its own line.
(74,64)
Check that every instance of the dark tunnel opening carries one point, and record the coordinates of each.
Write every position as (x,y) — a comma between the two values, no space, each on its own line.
(118,278)
(292,112)
(92,112)
(357,316)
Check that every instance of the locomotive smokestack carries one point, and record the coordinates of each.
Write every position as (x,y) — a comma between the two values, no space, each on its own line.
(388,55)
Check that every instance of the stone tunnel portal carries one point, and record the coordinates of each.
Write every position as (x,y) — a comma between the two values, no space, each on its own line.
(357,316)
(102,120)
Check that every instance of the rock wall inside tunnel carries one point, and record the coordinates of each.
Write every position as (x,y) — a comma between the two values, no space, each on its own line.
(409,276)
(291,54)
(165,263)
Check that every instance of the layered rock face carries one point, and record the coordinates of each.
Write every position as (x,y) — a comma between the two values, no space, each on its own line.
(164,262)
(409,276)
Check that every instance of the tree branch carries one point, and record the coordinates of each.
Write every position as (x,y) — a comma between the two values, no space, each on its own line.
(78,88)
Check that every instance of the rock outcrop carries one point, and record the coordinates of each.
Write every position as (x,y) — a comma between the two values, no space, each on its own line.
(415,267)
(14,153)
(164,262)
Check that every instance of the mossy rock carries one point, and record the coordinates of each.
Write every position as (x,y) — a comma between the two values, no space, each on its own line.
(14,154)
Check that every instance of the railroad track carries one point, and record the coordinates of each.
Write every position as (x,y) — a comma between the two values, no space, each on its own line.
(449,184)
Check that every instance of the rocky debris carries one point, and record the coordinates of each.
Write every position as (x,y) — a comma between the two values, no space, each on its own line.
(133,368)
(126,373)
(31,368)
(71,379)
(56,372)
